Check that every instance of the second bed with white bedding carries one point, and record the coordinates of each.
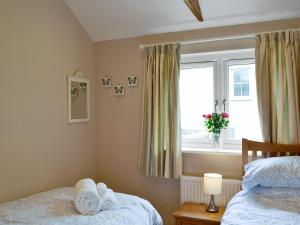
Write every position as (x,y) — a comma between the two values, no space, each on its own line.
(264,206)
(56,207)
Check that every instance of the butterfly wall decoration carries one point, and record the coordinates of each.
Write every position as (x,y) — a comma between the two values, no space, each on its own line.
(74,92)
(119,90)
(132,81)
(106,81)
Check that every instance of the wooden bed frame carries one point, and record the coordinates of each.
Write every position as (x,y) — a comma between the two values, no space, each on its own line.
(266,150)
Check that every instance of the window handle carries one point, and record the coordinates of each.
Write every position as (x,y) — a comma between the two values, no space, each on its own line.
(216,103)
(224,104)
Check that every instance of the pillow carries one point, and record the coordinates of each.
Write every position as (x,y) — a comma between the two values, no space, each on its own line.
(273,172)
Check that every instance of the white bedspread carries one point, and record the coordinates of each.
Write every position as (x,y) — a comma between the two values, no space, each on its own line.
(56,207)
(264,206)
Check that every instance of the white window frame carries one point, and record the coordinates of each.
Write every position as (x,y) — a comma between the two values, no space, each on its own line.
(221,60)
(233,62)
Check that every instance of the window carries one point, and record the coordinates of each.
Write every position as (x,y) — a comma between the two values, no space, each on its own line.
(220,81)
(240,81)
(240,73)
(195,80)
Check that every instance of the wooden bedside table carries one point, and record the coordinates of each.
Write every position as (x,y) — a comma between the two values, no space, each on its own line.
(195,214)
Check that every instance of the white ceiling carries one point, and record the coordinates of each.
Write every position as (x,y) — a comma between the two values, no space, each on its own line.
(115,19)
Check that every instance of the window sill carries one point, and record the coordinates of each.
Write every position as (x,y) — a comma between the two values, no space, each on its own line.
(208,151)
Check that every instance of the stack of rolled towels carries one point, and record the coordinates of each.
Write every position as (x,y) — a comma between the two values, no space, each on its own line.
(90,199)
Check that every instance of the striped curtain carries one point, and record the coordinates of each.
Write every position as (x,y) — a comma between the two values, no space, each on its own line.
(278,86)
(161,154)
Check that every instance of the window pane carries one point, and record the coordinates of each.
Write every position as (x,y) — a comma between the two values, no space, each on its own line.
(237,77)
(243,111)
(245,89)
(237,89)
(243,73)
(196,99)
(240,80)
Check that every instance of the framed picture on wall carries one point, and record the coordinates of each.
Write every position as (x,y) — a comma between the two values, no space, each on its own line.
(119,90)
(132,81)
(106,81)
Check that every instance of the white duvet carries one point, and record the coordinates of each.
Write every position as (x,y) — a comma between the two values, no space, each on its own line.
(264,206)
(56,207)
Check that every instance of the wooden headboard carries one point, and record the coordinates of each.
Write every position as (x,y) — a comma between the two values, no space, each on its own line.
(266,150)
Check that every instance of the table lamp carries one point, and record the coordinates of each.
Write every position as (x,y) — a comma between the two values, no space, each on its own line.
(212,186)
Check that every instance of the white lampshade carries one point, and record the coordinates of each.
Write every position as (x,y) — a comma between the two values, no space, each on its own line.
(212,183)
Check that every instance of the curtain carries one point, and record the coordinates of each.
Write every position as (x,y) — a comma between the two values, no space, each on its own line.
(161,154)
(278,87)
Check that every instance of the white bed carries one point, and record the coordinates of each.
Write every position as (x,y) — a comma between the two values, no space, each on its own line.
(264,206)
(271,187)
(55,207)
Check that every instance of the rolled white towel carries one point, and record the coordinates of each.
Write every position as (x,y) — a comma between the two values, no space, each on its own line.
(109,200)
(102,188)
(86,198)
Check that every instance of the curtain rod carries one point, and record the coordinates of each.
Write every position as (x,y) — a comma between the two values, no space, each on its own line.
(220,38)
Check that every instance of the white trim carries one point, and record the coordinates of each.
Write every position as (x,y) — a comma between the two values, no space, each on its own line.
(202,64)
(211,152)
(205,143)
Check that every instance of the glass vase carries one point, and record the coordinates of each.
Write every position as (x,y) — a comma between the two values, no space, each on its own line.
(216,141)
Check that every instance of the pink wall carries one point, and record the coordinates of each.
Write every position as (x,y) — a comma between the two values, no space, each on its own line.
(41,43)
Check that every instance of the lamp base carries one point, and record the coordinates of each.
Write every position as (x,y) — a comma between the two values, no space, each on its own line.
(212,208)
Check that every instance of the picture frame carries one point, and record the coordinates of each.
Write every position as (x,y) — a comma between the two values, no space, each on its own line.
(132,80)
(119,90)
(79,95)
(106,81)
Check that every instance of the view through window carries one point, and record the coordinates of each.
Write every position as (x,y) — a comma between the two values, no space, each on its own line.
(228,78)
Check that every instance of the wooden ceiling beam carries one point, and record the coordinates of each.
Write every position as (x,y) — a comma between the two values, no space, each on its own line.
(195,8)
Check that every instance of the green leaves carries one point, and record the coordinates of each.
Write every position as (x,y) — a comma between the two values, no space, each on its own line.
(216,122)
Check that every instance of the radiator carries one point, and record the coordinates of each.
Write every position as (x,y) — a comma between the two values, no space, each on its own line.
(191,190)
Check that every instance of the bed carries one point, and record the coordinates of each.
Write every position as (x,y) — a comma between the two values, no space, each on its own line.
(55,207)
(272,195)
